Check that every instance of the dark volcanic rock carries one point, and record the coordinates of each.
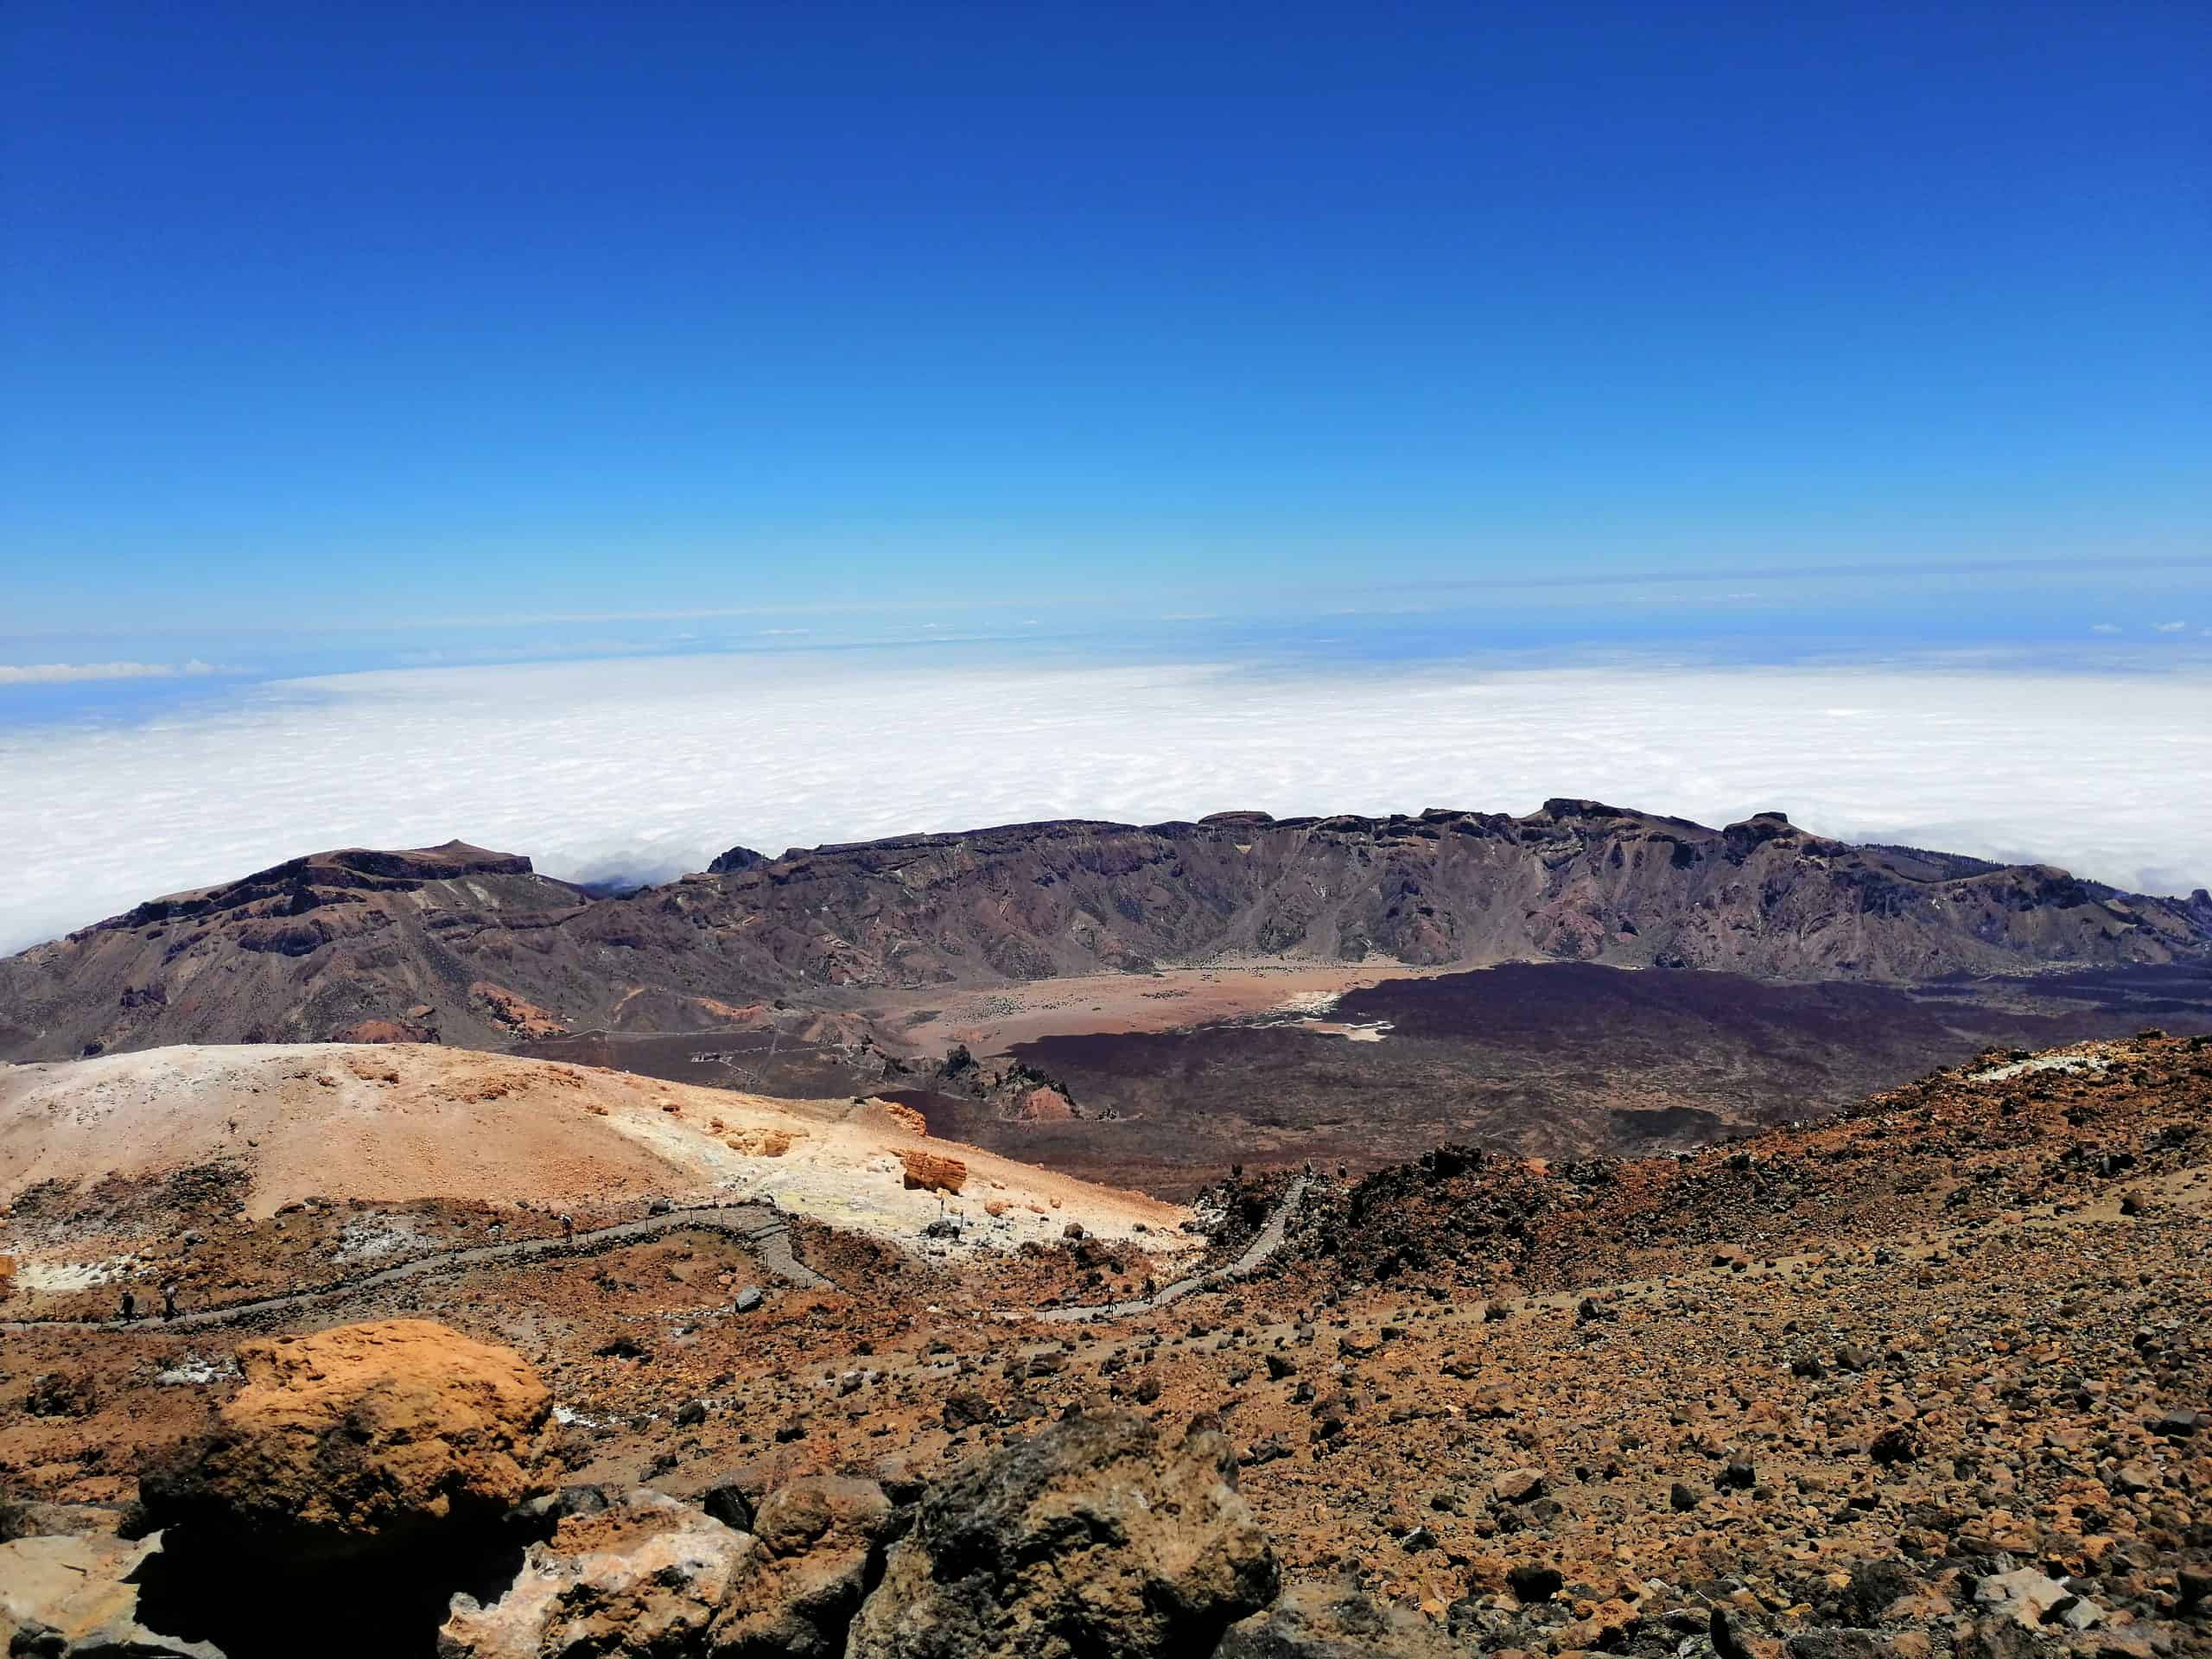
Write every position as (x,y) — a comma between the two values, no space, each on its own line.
(354,944)
(736,861)
(1578,881)
(1313,1622)
(1097,1536)
(1533,1581)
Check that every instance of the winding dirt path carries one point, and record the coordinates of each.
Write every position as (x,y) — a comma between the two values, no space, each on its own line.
(763,1227)
(760,1226)
(1264,1244)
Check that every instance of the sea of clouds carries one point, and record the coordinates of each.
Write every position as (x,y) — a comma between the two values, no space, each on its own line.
(646,768)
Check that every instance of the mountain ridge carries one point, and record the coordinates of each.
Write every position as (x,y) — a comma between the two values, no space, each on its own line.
(473,946)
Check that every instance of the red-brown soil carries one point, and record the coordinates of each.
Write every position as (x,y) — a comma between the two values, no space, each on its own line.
(1959,1329)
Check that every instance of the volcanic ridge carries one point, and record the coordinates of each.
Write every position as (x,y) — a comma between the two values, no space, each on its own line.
(458,945)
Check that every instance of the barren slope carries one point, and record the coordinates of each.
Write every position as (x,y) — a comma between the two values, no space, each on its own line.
(400,1122)
(1846,1385)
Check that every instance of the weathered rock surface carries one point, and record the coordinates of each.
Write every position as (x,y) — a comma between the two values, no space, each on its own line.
(820,1549)
(2024,1595)
(933,1171)
(1322,1622)
(65,1596)
(1097,1536)
(646,1575)
(358,1439)
(649,1574)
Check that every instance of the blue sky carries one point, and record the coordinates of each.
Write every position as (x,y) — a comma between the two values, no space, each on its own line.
(352,333)
(784,423)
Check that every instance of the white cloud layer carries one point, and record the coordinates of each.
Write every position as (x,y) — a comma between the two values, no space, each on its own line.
(651,767)
(73,673)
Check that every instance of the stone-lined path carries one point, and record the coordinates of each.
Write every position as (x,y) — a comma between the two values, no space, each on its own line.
(762,1227)
(1264,1246)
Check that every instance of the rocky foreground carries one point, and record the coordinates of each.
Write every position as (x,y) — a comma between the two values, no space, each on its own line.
(1931,1379)
(367,1469)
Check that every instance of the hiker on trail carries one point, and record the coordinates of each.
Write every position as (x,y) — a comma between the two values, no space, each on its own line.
(130,1307)
(168,1301)
(567,1226)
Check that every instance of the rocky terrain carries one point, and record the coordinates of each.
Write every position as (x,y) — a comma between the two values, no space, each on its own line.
(469,947)
(1928,1380)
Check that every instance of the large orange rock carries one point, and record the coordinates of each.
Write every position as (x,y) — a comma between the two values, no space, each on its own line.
(359,1438)
(905,1117)
(933,1171)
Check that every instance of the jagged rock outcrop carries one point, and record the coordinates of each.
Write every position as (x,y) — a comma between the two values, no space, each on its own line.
(1099,1535)
(737,859)
(1019,1091)
(647,1575)
(2092,1113)
(359,1441)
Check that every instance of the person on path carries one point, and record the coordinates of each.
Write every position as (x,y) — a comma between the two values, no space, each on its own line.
(130,1306)
(168,1301)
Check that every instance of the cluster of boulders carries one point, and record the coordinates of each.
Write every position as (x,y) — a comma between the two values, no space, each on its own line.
(1016,1090)
(370,1481)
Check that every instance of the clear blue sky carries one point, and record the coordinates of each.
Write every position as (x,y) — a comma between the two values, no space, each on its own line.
(410,314)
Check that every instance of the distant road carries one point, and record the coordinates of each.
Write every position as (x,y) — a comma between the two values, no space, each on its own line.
(762,1227)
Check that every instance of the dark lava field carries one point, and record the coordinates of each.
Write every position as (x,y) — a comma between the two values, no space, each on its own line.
(1547,1059)
(1550,1059)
